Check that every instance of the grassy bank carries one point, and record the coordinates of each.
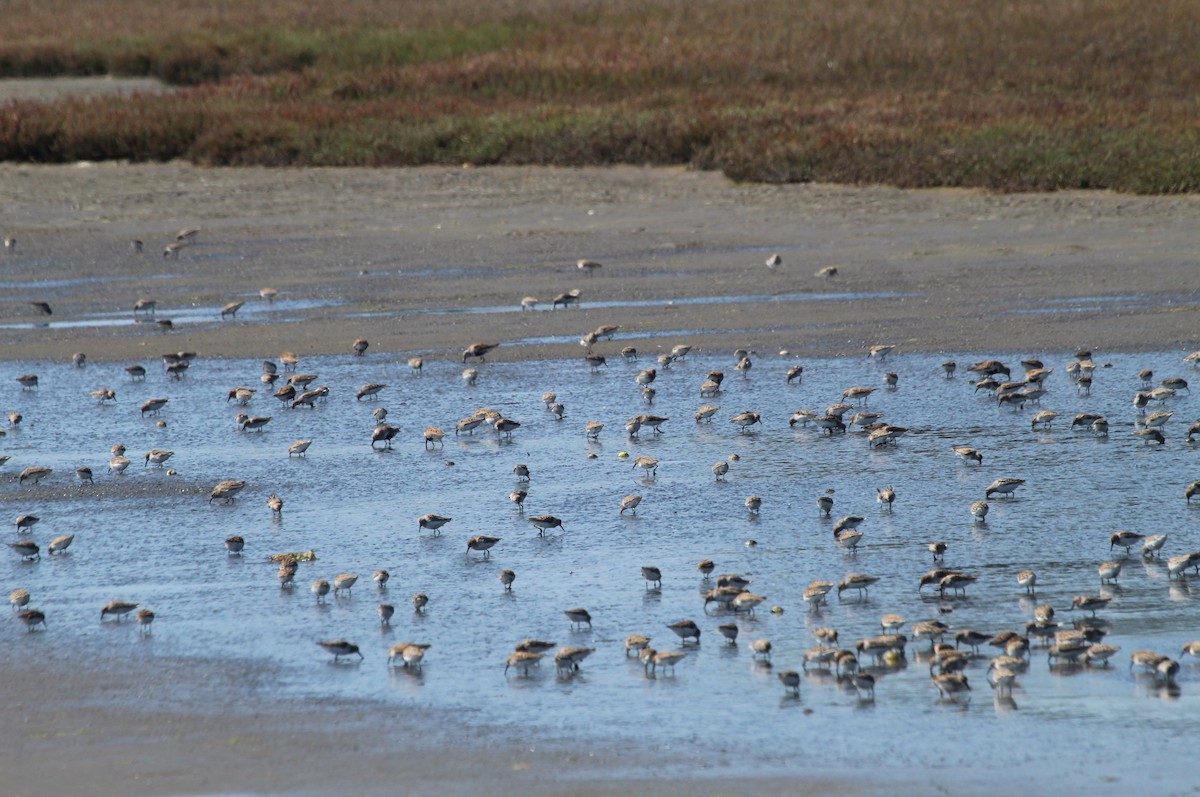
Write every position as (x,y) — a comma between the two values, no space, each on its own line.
(1003,95)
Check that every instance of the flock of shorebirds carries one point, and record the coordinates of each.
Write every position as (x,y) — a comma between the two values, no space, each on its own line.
(1082,643)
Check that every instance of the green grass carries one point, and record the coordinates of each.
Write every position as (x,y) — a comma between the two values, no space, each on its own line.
(1008,96)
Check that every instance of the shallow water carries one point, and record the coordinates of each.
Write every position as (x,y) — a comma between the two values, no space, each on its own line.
(156,539)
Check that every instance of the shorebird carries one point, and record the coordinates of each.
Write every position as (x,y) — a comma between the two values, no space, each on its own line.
(419,602)
(568,659)
(521,660)
(468,425)
(152,406)
(344,582)
(630,503)
(287,572)
(60,544)
(650,464)
(849,522)
(187,235)
(320,588)
(579,617)
(546,522)
(117,608)
(234,544)
(744,420)
(482,543)
(1028,580)
(231,309)
(938,549)
(635,643)
(820,656)
(385,612)
(825,505)
(880,352)
(746,601)
(383,434)
(505,426)
(815,593)
(478,350)
(719,470)
(416,364)
(1152,544)
(685,630)
(847,537)
(886,497)
(534,646)
(967,454)
(1166,670)
(434,436)
(949,685)
(858,582)
(26,549)
(567,299)
(33,475)
(678,352)
(979,510)
(1124,539)
(19,598)
(652,575)
(955,582)
(157,456)
(1003,486)
(253,422)
(518,497)
(226,490)
(360,346)
(930,629)
(990,368)
(118,464)
(26,521)
(761,647)
(1156,419)
(529,303)
(240,395)
(1109,571)
(1150,436)
(507,577)
(32,618)
(432,522)
(410,654)
(521,471)
(339,648)
(369,389)
(1089,603)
